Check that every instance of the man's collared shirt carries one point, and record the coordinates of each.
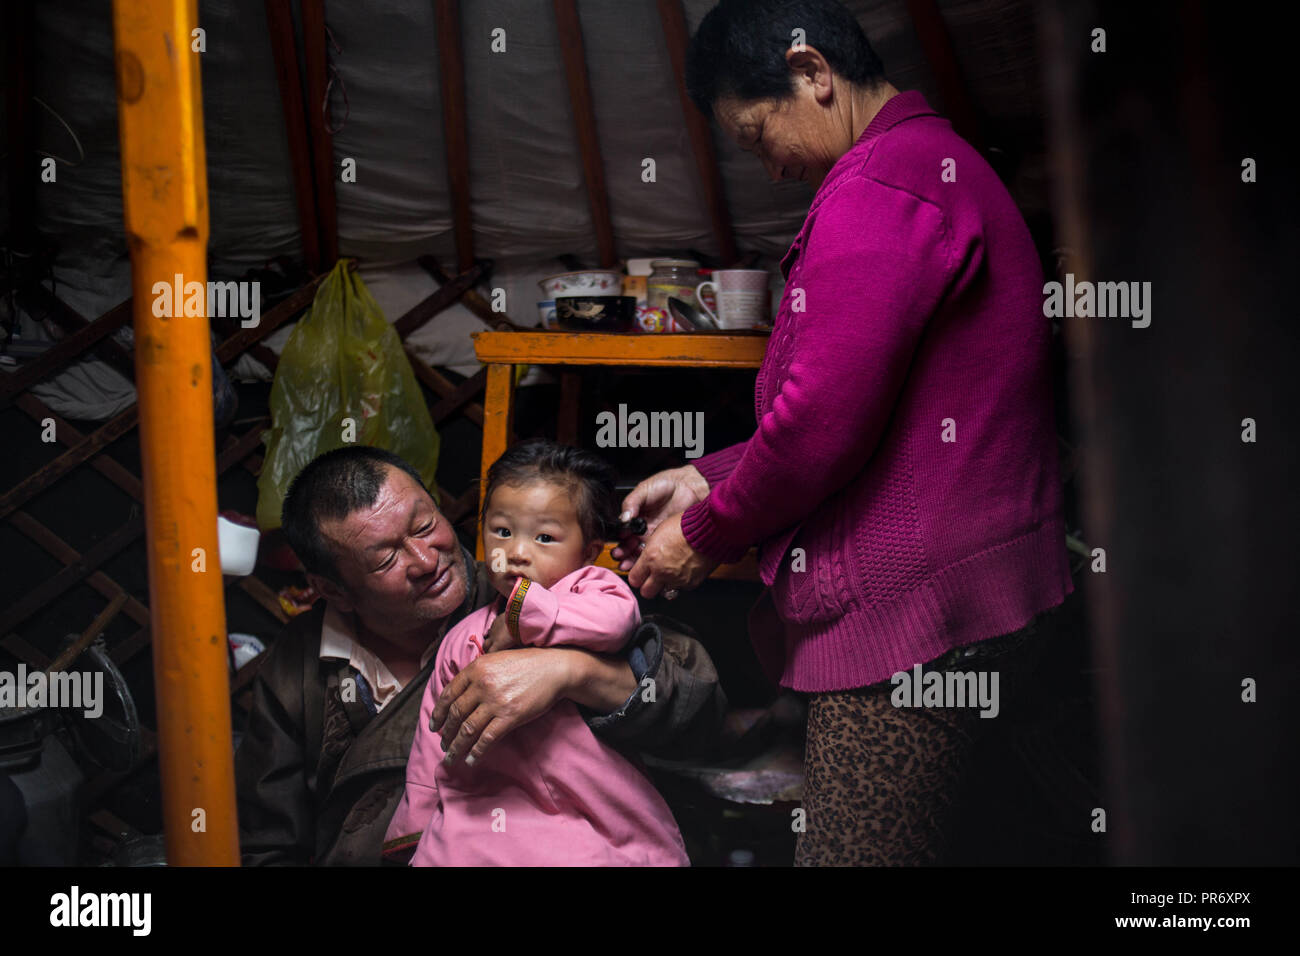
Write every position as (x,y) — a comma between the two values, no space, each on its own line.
(338,642)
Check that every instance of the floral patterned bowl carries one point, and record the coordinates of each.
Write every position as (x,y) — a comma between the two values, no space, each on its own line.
(590,282)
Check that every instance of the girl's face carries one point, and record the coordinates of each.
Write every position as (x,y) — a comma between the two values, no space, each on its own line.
(532,531)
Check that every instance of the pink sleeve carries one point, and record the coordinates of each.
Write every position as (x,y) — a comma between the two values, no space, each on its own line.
(420,797)
(868,294)
(593,608)
(463,643)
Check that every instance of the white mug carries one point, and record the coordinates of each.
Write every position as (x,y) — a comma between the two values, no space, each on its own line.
(742,298)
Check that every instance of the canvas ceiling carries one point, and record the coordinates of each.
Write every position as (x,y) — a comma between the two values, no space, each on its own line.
(529,202)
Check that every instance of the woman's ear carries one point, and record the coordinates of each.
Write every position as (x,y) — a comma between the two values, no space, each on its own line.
(807,63)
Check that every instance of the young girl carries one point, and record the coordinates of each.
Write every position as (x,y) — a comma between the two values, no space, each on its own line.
(550,793)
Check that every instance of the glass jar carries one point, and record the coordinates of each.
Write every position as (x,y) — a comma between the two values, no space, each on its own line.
(672,277)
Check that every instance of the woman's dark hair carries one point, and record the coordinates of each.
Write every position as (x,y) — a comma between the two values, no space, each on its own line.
(739,49)
(590,477)
(331,487)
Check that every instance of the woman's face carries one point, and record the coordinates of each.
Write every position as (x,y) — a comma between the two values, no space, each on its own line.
(775,132)
(791,136)
(798,136)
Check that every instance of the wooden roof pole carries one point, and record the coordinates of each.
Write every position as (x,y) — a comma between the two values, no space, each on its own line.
(451,74)
(932,31)
(165,201)
(322,141)
(279,22)
(697,127)
(584,121)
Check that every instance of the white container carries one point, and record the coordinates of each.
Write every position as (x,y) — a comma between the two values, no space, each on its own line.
(238,546)
(546,313)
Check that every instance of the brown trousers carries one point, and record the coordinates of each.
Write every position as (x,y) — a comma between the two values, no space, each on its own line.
(881,782)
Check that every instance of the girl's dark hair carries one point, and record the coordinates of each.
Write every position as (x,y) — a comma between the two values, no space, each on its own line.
(590,477)
(739,49)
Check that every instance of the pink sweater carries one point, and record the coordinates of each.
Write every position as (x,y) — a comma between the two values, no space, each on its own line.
(549,793)
(902,483)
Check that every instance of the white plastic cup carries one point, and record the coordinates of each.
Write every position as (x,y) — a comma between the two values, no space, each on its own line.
(238,547)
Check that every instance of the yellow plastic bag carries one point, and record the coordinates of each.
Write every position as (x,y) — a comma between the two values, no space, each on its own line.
(343,378)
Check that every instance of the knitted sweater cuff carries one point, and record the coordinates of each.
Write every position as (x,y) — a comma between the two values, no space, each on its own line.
(717,466)
(703,534)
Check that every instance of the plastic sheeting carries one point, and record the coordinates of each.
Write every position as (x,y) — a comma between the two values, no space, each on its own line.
(528,199)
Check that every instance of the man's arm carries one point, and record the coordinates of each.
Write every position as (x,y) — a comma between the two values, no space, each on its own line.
(275,807)
(678,705)
(661,696)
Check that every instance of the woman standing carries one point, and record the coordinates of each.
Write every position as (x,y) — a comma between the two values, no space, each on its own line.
(902,483)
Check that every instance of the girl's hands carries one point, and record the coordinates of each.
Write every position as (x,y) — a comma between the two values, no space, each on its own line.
(499,637)
(658,498)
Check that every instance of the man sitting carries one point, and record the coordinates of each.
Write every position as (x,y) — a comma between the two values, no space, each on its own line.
(321,767)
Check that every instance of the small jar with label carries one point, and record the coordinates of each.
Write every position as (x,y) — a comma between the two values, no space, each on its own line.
(672,277)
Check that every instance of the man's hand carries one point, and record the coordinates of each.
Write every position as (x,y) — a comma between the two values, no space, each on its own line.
(669,562)
(658,498)
(496,694)
(499,637)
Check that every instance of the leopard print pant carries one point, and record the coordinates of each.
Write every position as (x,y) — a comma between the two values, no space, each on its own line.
(881,782)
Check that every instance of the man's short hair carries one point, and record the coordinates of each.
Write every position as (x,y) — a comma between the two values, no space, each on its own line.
(331,487)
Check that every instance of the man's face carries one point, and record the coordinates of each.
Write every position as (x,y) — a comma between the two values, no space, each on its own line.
(401,565)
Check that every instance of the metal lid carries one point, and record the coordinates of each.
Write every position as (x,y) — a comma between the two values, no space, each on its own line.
(674,264)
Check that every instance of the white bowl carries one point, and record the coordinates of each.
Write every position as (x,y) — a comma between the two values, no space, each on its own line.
(588,282)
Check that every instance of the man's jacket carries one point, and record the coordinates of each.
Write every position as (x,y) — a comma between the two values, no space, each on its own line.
(319,776)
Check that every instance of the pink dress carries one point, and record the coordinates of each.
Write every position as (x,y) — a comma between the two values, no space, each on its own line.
(550,793)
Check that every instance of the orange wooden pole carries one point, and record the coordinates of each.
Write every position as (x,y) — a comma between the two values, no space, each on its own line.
(498,418)
(165,196)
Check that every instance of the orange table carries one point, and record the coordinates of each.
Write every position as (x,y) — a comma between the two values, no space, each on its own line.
(502,351)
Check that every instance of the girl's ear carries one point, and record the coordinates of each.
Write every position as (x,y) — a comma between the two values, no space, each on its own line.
(593,550)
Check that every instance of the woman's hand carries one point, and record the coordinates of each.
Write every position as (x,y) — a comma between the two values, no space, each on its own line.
(658,498)
(669,562)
